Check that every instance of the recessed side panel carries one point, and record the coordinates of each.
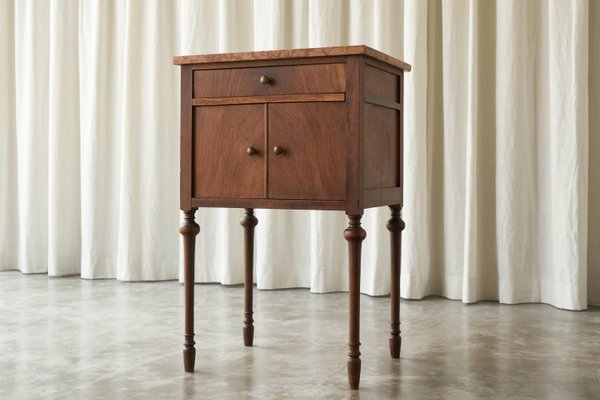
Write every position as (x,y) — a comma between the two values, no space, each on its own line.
(381,84)
(381,145)
(229,153)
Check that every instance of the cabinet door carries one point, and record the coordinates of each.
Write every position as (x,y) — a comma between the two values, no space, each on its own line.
(312,164)
(223,166)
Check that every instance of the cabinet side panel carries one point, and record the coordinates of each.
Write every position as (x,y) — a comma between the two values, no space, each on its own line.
(186,143)
(382,84)
(401,128)
(381,158)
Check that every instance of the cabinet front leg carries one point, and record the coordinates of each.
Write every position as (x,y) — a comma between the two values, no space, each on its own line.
(189,229)
(354,235)
(249,221)
(395,225)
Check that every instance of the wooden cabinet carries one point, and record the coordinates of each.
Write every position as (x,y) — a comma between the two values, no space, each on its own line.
(293,129)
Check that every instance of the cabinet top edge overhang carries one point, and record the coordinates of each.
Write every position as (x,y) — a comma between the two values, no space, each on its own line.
(291,54)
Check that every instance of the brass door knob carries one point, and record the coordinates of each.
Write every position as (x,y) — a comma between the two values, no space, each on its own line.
(278,150)
(265,80)
(251,151)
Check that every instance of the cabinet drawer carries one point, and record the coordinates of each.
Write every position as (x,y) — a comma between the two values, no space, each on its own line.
(280,80)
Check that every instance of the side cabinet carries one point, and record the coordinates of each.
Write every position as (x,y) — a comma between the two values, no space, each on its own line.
(317,129)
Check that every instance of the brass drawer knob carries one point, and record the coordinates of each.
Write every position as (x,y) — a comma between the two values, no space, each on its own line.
(278,150)
(265,80)
(251,151)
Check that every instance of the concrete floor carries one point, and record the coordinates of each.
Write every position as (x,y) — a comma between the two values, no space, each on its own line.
(68,338)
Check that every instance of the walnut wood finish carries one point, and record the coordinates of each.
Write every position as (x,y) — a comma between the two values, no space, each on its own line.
(381,148)
(354,235)
(189,230)
(289,79)
(293,53)
(186,149)
(354,104)
(381,84)
(395,225)
(283,204)
(294,129)
(312,162)
(222,166)
(281,98)
(249,221)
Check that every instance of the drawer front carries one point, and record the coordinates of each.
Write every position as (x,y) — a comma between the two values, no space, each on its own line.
(264,81)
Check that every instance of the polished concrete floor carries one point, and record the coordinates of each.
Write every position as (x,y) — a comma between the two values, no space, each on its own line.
(67,338)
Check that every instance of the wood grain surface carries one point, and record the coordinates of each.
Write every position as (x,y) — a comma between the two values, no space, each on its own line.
(293,79)
(222,166)
(312,165)
(381,166)
(281,98)
(293,53)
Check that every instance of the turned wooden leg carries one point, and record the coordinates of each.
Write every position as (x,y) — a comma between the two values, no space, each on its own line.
(249,221)
(354,235)
(189,229)
(395,225)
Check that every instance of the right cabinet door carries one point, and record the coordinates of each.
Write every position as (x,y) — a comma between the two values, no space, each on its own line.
(310,161)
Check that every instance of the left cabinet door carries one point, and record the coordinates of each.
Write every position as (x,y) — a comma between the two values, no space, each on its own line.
(229,158)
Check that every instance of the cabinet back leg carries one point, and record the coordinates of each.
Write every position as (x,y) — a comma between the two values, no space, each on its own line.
(395,225)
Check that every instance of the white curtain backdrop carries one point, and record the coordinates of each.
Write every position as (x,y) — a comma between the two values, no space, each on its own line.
(502,145)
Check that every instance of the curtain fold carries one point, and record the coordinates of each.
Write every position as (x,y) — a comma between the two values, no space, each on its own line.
(31,97)
(64,188)
(101,57)
(593,254)
(502,172)
(9,200)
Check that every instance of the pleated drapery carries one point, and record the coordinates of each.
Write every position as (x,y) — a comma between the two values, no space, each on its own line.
(505,133)
(502,145)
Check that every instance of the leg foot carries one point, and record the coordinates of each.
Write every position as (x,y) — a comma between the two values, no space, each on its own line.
(353,367)
(248,332)
(189,358)
(395,345)
(395,225)
(189,229)
(249,221)
(354,235)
